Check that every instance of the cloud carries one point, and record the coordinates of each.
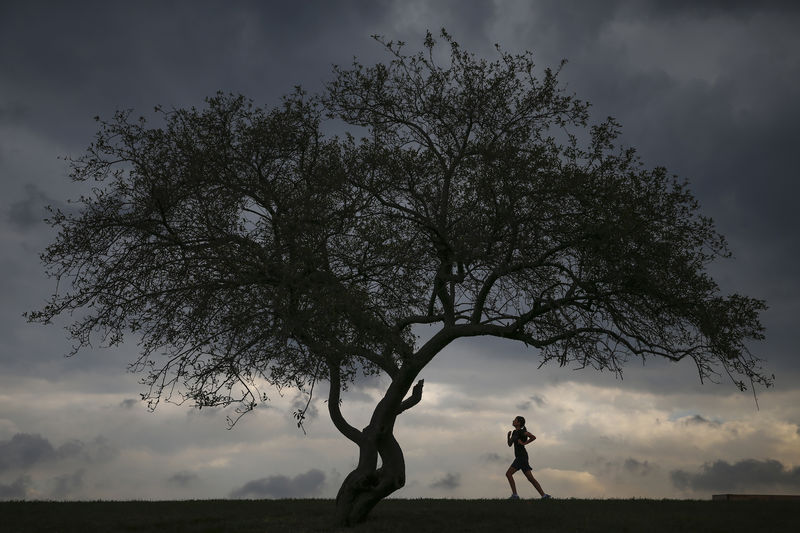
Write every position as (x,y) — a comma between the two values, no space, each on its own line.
(18,490)
(744,475)
(68,484)
(620,469)
(300,402)
(641,468)
(183,479)
(129,403)
(25,450)
(13,113)
(539,401)
(98,450)
(30,211)
(302,485)
(492,457)
(448,482)
(718,7)
(698,420)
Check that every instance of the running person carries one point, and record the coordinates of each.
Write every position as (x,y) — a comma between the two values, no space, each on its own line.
(519,438)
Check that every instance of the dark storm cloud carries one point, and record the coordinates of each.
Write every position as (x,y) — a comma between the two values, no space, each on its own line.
(194,49)
(183,479)
(731,143)
(302,485)
(448,482)
(730,134)
(29,212)
(749,474)
(729,126)
(716,7)
(191,50)
(25,450)
(696,130)
(554,30)
(17,490)
(12,113)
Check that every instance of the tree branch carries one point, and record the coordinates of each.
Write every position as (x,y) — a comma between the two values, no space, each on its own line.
(403,323)
(414,399)
(334,397)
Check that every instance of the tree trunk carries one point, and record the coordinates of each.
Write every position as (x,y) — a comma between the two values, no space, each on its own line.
(365,486)
(368,484)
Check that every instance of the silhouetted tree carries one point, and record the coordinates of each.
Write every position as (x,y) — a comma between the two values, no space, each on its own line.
(244,247)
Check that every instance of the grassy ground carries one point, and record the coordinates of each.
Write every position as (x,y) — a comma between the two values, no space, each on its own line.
(295,516)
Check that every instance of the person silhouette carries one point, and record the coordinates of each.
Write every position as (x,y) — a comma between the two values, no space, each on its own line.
(519,438)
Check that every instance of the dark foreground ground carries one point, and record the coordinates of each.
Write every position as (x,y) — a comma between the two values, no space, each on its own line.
(439,516)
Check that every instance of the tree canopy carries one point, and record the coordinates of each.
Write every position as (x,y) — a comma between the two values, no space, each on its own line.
(245,247)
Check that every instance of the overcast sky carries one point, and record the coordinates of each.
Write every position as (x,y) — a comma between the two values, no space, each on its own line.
(707,89)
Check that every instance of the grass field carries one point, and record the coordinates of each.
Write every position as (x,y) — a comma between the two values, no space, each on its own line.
(242,516)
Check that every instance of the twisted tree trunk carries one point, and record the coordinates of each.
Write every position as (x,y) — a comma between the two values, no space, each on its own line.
(365,486)
(368,484)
